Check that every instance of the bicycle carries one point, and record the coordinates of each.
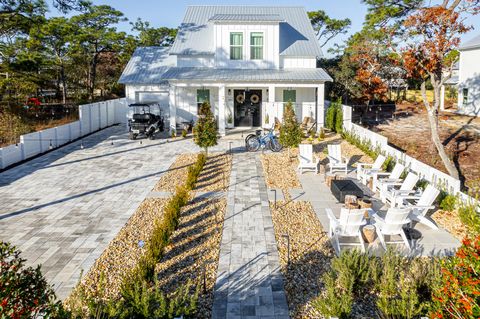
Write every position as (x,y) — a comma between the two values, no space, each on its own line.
(254,141)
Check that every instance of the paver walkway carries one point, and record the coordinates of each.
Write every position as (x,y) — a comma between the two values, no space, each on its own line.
(63,208)
(249,281)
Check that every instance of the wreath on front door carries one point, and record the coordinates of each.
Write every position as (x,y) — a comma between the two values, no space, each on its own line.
(254,98)
(240,98)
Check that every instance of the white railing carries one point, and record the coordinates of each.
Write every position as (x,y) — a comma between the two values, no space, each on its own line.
(92,117)
(276,109)
(432,175)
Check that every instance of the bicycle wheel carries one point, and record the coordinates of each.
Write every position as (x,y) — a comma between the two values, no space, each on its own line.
(252,144)
(275,145)
(249,136)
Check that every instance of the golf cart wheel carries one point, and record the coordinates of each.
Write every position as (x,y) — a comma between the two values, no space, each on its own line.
(132,136)
(151,137)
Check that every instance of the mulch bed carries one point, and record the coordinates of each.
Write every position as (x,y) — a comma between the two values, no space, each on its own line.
(310,254)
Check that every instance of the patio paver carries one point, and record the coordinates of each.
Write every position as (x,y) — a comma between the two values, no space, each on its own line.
(63,208)
(249,282)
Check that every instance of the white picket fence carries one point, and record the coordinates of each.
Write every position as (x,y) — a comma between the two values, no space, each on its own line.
(432,175)
(92,117)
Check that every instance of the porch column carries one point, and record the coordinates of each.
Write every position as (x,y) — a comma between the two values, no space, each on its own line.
(270,106)
(442,98)
(320,106)
(172,94)
(221,110)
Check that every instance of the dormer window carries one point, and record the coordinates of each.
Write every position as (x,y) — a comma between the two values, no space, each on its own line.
(236,46)
(256,46)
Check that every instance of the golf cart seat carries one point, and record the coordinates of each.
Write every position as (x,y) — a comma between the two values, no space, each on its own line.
(143,117)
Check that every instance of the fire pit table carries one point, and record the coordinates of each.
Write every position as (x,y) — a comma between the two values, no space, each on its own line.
(341,188)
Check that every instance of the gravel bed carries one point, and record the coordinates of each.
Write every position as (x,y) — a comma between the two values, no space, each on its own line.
(176,174)
(123,252)
(310,254)
(215,175)
(195,246)
(279,170)
(450,221)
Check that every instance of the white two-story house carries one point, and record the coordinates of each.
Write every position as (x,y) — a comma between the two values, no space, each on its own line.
(247,61)
(469,78)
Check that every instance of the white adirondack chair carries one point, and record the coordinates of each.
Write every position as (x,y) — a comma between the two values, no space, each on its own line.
(335,158)
(391,192)
(392,224)
(306,158)
(366,170)
(382,178)
(348,225)
(420,205)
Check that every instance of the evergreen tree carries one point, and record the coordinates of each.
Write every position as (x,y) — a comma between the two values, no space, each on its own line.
(205,131)
(290,132)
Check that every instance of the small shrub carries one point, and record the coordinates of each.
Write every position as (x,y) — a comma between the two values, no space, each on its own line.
(422,184)
(457,295)
(290,132)
(388,164)
(24,292)
(173,133)
(184,133)
(312,133)
(339,118)
(267,119)
(321,135)
(470,216)
(205,134)
(448,202)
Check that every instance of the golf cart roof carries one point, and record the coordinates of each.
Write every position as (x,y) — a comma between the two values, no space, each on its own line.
(143,104)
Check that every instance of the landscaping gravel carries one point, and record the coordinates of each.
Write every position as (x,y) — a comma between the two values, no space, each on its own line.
(450,221)
(176,174)
(215,174)
(279,170)
(195,246)
(310,254)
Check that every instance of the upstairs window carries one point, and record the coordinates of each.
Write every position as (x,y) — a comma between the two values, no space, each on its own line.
(465,96)
(256,46)
(236,46)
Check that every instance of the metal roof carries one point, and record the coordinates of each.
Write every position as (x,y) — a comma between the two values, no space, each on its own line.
(246,18)
(250,75)
(472,44)
(147,65)
(297,38)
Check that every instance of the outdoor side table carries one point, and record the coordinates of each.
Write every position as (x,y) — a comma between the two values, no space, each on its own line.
(341,188)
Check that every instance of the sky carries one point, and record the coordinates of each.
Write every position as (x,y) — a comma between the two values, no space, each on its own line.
(170,13)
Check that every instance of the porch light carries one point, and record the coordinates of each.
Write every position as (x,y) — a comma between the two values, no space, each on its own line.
(229,91)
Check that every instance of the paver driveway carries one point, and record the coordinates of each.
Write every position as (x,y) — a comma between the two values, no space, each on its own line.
(62,209)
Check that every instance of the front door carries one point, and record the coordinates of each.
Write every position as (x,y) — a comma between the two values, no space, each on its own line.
(247,107)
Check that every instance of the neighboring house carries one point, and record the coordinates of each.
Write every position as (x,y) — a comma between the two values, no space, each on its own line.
(451,83)
(469,78)
(247,61)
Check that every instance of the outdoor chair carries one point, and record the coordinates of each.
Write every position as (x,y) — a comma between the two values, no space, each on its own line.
(380,179)
(391,225)
(391,193)
(420,205)
(335,158)
(306,158)
(366,170)
(348,225)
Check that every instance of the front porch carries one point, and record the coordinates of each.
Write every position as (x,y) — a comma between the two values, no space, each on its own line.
(245,105)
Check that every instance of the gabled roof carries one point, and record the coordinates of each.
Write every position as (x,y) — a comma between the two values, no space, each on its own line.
(246,18)
(195,34)
(147,65)
(472,44)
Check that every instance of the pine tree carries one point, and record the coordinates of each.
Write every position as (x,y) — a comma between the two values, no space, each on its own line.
(290,132)
(205,132)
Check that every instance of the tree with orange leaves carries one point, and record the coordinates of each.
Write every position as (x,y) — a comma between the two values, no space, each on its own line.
(430,36)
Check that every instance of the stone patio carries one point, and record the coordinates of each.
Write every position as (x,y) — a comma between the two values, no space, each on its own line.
(427,241)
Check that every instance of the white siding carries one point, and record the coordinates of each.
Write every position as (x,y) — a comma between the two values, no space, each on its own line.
(187,102)
(303,94)
(298,63)
(204,61)
(469,78)
(271,46)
